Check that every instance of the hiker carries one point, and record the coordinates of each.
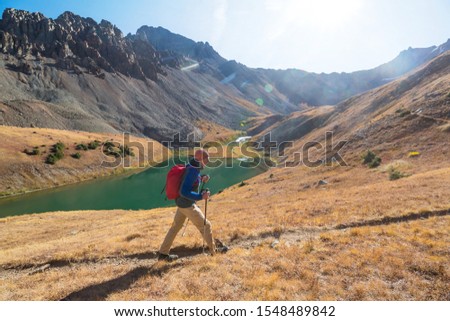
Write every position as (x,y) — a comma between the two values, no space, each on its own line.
(187,208)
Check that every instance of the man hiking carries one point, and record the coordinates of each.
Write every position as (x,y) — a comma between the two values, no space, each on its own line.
(187,208)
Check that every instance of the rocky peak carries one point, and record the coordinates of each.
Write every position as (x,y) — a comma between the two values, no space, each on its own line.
(74,40)
(13,17)
(203,50)
(163,39)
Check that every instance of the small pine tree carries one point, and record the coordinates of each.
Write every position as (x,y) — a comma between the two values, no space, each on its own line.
(51,159)
(368,157)
(94,144)
(395,174)
(375,162)
(81,147)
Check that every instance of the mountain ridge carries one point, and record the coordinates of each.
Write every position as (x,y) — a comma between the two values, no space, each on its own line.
(96,79)
(303,87)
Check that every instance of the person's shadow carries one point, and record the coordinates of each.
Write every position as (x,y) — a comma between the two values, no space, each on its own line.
(101,291)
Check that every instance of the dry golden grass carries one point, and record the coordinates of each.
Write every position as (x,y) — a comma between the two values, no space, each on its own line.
(20,172)
(387,263)
(214,132)
(109,255)
(294,119)
(251,106)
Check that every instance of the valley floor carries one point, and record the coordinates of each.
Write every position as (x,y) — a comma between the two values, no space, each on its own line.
(360,236)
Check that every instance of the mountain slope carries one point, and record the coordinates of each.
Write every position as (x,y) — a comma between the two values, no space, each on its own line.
(116,103)
(82,75)
(329,89)
(87,76)
(410,113)
(254,85)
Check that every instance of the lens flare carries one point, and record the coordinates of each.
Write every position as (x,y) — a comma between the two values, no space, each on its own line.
(268,88)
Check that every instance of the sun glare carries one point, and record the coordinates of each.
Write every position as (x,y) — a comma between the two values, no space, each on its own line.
(314,13)
(327,12)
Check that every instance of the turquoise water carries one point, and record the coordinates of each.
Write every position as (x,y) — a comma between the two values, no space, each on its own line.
(138,191)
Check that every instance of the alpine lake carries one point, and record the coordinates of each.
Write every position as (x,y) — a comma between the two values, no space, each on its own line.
(140,190)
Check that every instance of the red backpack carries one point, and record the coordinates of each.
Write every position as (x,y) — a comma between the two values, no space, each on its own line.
(173,181)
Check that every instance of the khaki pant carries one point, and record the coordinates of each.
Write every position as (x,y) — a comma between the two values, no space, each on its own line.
(193,213)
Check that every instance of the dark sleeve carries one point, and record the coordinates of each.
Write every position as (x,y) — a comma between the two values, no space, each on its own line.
(190,178)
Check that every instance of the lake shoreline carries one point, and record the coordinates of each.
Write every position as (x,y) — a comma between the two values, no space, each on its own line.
(124,173)
(131,189)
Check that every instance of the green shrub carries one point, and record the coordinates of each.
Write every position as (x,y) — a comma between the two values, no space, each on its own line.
(34,151)
(126,151)
(110,149)
(375,162)
(94,144)
(59,147)
(81,147)
(395,174)
(76,155)
(57,153)
(58,150)
(51,159)
(107,145)
(368,157)
(113,151)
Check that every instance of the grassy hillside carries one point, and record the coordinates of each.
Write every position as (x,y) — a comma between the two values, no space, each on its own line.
(24,153)
(407,115)
(359,237)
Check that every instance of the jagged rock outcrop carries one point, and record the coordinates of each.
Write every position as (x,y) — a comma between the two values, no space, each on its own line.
(77,41)
(164,40)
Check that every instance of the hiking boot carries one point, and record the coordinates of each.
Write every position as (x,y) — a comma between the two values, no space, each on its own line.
(222,249)
(167,257)
(220,246)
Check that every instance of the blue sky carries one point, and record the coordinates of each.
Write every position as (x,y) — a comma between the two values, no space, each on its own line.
(313,35)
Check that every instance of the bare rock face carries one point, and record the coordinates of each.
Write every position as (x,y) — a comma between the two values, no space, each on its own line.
(76,41)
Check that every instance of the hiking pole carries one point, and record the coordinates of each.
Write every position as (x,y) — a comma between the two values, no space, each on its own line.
(204,223)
